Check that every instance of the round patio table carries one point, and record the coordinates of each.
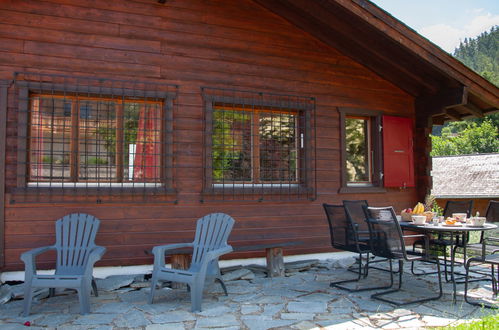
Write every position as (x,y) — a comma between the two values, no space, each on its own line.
(453,230)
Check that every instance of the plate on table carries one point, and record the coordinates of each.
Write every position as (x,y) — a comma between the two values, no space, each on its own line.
(452,225)
(471,226)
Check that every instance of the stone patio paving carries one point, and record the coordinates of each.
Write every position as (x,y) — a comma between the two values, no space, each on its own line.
(301,300)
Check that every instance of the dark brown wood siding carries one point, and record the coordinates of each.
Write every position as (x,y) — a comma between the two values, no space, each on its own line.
(219,43)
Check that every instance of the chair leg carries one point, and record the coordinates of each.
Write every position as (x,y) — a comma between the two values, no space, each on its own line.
(28,297)
(84,297)
(468,265)
(379,295)
(361,272)
(196,296)
(219,280)
(94,287)
(154,282)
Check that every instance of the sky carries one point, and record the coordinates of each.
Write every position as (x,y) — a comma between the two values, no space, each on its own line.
(445,22)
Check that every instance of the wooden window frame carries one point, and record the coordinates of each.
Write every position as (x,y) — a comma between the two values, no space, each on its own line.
(376,151)
(74,162)
(26,89)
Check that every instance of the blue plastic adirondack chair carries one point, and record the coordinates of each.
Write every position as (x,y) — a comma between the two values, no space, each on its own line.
(212,232)
(76,256)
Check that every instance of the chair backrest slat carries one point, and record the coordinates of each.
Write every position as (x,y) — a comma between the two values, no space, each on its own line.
(492,213)
(212,232)
(355,213)
(385,233)
(458,207)
(342,232)
(75,237)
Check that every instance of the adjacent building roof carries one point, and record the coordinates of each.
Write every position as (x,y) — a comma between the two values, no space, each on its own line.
(466,176)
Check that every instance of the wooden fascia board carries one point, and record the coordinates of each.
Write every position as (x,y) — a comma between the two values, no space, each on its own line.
(422,47)
(410,83)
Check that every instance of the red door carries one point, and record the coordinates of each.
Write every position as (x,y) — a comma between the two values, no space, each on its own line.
(398,159)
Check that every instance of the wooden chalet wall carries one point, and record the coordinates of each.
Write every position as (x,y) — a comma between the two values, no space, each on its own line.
(216,43)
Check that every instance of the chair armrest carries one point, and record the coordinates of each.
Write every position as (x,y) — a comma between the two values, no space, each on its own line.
(29,257)
(94,256)
(218,252)
(159,252)
(212,255)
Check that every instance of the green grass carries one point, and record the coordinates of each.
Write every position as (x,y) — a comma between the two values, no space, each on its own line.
(487,322)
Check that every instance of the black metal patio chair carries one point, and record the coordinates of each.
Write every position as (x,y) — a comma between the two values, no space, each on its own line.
(489,259)
(356,215)
(492,216)
(387,241)
(345,237)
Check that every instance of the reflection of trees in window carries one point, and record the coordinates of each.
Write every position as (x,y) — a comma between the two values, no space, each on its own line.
(231,151)
(278,149)
(254,146)
(357,149)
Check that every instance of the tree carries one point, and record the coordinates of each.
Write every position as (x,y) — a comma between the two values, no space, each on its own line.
(478,135)
(475,138)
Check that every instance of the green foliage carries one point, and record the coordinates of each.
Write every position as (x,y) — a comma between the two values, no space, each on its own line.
(466,138)
(482,54)
(487,322)
(478,135)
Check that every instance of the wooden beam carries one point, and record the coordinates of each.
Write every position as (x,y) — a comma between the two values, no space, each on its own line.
(474,110)
(428,106)
(4,84)
(453,114)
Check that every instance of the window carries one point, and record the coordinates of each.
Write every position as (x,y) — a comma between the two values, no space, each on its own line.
(94,139)
(84,139)
(258,145)
(361,150)
(254,145)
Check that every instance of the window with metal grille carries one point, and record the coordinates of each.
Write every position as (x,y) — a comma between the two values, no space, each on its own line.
(258,145)
(94,136)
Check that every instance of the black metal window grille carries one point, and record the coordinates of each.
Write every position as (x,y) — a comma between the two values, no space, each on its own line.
(258,146)
(96,138)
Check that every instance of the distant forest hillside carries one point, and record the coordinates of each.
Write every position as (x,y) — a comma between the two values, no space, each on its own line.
(478,135)
(482,54)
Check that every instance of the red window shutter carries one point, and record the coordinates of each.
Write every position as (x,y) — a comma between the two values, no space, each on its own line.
(398,159)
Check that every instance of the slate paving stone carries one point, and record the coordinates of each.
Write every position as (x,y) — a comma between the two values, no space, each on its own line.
(253,322)
(250,309)
(132,319)
(55,320)
(304,325)
(301,301)
(95,319)
(227,320)
(173,317)
(113,308)
(307,307)
(271,310)
(297,316)
(215,311)
(170,326)
(114,282)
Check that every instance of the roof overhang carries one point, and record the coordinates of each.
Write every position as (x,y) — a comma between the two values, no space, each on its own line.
(444,88)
